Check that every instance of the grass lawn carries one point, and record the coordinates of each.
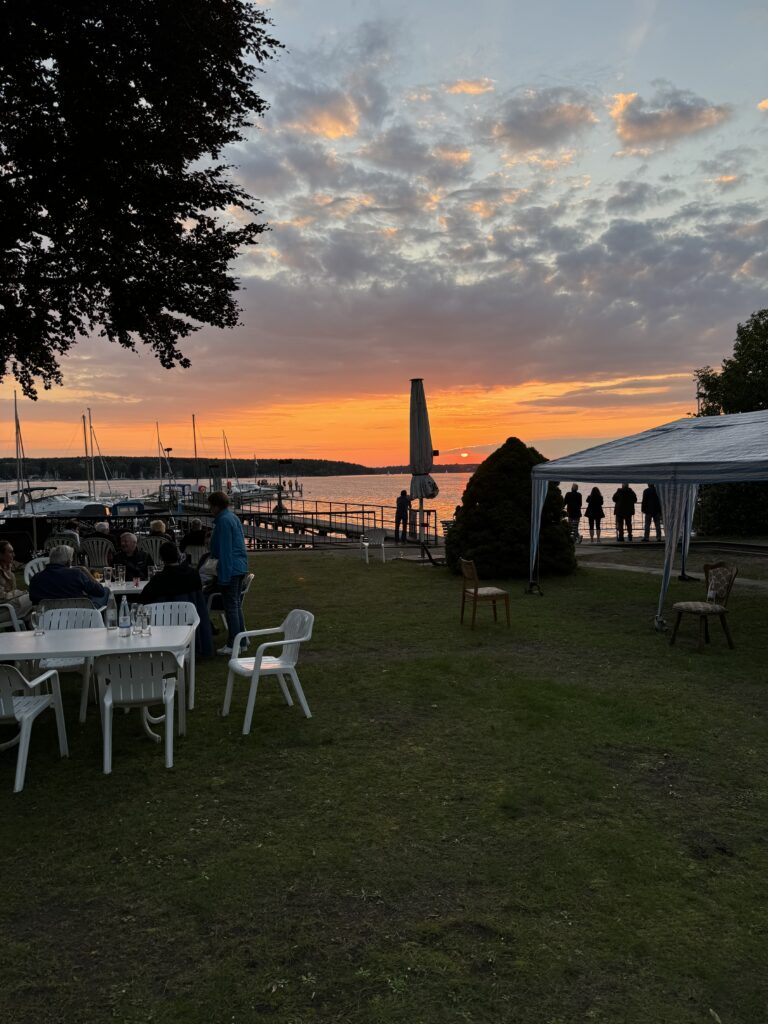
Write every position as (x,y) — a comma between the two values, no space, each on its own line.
(751,566)
(562,822)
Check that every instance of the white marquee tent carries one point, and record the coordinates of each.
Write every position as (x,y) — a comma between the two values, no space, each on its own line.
(676,457)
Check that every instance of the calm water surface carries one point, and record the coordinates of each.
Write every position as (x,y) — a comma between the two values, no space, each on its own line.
(374,489)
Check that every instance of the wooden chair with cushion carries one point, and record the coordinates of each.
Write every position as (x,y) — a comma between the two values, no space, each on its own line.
(471,589)
(718,581)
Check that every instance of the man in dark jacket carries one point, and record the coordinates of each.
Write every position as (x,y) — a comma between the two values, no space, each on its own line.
(136,562)
(174,581)
(402,507)
(650,506)
(572,502)
(624,501)
(60,579)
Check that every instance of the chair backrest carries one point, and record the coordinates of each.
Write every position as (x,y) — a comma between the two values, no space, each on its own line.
(151,544)
(33,567)
(245,586)
(469,572)
(55,539)
(194,552)
(99,550)
(49,603)
(720,576)
(136,678)
(11,685)
(296,628)
(72,618)
(172,613)
(375,536)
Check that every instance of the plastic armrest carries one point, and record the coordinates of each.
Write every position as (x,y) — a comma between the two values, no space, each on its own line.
(32,683)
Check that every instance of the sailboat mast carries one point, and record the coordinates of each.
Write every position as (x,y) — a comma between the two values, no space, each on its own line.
(93,461)
(159,457)
(18,449)
(194,445)
(87,459)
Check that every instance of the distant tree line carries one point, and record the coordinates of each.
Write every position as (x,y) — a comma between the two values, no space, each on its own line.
(146,467)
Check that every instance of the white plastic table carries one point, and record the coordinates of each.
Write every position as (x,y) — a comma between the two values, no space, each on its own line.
(128,588)
(90,643)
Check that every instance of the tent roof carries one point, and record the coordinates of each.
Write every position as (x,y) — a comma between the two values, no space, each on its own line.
(709,449)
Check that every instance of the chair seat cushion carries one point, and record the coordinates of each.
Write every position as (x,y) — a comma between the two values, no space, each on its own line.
(245,665)
(487,592)
(699,607)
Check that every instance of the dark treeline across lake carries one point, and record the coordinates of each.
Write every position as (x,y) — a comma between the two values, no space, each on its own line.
(144,467)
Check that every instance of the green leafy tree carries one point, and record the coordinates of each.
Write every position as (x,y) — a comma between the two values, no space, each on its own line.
(740,385)
(115,216)
(493,522)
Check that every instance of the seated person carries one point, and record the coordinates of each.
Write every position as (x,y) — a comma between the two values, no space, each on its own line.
(102,530)
(157,528)
(61,579)
(174,581)
(194,536)
(9,592)
(136,562)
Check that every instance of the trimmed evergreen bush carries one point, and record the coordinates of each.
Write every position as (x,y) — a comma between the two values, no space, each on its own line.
(493,522)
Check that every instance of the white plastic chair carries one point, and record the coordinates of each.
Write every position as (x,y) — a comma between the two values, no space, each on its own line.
(54,540)
(372,538)
(179,613)
(151,545)
(296,630)
(98,550)
(19,706)
(33,567)
(193,553)
(9,618)
(212,599)
(137,681)
(72,618)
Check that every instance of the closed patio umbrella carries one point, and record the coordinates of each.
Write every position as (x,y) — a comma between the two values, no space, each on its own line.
(422,484)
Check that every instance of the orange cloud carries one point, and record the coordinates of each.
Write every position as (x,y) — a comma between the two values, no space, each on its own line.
(670,115)
(470,87)
(762,105)
(452,154)
(334,119)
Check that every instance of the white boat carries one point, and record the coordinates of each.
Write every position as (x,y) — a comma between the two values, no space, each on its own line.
(46,501)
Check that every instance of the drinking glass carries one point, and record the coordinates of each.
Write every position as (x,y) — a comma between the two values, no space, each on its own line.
(121,574)
(136,581)
(107,573)
(36,621)
(146,628)
(135,620)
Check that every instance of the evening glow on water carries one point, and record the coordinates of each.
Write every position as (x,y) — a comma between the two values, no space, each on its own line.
(552,213)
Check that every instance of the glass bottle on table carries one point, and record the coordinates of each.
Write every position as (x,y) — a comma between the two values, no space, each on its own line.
(111,614)
(124,619)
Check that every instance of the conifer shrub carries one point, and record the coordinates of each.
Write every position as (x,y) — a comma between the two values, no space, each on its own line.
(493,522)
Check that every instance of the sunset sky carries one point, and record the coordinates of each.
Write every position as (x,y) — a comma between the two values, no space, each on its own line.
(551,212)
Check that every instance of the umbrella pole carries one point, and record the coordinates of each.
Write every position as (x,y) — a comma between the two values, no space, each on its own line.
(421,520)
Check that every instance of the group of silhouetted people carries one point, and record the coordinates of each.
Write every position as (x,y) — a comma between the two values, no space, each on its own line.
(624,502)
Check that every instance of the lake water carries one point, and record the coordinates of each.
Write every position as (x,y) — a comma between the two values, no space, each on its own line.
(372,489)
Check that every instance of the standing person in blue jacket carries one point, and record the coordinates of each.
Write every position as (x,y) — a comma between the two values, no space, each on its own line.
(228,547)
